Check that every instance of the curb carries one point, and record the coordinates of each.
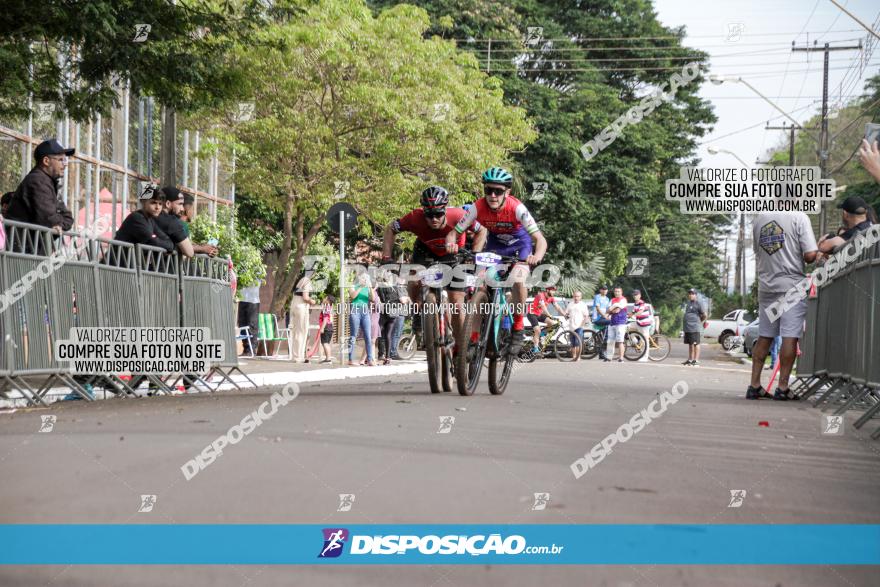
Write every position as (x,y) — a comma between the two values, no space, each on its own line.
(16,400)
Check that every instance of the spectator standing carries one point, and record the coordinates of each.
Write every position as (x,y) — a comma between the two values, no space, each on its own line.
(140,227)
(375,330)
(774,352)
(783,242)
(299,318)
(578,314)
(390,295)
(36,199)
(602,318)
(694,316)
(406,310)
(617,328)
(643,314)
(361,296)
(249,312)
(325,329)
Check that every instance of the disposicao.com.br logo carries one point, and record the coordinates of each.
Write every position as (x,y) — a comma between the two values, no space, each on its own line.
(476,545)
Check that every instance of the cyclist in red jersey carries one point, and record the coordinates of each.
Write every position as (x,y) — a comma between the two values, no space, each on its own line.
(511,231)
(431,224)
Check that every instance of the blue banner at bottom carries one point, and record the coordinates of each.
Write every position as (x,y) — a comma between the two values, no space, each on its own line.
(253,544)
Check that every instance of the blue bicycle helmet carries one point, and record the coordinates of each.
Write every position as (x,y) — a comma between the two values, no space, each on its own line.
(497,175)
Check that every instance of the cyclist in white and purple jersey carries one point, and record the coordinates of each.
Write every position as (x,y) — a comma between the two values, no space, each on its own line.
(511,231)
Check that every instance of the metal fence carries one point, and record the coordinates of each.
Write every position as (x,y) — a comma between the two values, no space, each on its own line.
(51,283)
(839,366)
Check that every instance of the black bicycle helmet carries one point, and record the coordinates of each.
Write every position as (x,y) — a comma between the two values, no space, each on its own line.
(435,197)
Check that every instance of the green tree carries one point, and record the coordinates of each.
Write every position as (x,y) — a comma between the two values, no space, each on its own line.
(344,96)
(573,82)
(246,258)
(75,53)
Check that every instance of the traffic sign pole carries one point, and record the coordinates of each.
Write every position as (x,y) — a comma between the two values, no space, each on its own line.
(341,287)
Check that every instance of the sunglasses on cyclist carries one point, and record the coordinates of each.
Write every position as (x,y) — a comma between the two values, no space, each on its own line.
(494,191)
(439,213)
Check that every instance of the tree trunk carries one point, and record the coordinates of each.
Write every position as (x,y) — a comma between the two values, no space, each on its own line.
(299,239)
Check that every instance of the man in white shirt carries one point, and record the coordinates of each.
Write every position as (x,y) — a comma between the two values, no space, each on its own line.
(578,318)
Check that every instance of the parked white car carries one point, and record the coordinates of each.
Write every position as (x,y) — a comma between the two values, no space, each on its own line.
(732,324)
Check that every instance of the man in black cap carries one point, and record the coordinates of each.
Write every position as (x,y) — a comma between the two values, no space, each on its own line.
(694,315)
(855,219)
(140,226)
(36,199)
(180,205)
(171,225)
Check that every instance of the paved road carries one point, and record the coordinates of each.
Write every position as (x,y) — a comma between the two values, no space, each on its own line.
(377,438)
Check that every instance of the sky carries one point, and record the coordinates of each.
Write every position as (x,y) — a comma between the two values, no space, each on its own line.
(752,39)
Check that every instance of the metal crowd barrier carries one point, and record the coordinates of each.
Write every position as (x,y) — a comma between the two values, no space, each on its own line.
(101,283)
(839,366)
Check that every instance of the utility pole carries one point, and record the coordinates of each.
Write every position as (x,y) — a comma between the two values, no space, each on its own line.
(791,137)
(823,138)
(739,276)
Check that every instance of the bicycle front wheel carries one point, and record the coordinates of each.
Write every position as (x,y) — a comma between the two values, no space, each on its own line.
(469,362)
(564,344)
(660,347)
(635,346)
(501,367)
(406,346)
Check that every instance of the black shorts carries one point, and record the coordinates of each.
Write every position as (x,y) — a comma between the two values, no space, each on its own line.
(534,320)
(691,338)
(423,256)
(327,334)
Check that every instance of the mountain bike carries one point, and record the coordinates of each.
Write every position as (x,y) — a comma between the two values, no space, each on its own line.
(556,341)
(486,311)
(594,339)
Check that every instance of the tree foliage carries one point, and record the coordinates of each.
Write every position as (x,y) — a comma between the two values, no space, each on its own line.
(576,80)
(75,54)
(367,101)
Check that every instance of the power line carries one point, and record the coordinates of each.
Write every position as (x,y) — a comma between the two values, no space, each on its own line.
(640,37)
(730,134)
(586,61)
(785,74)
(617,69)
(648,48)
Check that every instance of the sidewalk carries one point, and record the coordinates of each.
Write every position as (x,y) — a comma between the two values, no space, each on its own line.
(264,372)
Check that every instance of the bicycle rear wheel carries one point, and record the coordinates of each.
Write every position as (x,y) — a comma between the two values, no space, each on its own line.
(432,343)
(562,346)
(590,345)
(635,346)
(469,362)
(660,347)
(447,364)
